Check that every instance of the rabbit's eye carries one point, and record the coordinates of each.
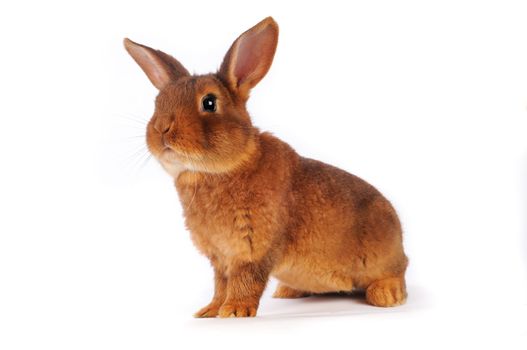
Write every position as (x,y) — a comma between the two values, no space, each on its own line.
(209,103)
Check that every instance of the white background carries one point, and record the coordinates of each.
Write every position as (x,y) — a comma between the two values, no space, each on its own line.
(425,100)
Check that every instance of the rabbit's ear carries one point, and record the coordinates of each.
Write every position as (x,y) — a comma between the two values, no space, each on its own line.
(159,67)
(250,57)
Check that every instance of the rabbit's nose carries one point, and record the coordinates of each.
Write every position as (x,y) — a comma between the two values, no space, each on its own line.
(162,127)
(165,130)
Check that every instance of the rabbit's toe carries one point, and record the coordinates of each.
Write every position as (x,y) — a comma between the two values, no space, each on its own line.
(210,310)
(237,310)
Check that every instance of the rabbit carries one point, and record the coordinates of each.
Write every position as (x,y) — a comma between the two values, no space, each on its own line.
(253,206)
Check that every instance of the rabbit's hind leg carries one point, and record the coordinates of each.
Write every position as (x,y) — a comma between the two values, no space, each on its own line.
(387,292)
(285,292)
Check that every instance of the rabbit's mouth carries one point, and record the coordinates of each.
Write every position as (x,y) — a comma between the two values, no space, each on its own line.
(170,162)
(172,157)
(167,153)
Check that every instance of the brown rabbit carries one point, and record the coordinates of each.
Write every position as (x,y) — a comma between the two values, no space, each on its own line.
(255,207)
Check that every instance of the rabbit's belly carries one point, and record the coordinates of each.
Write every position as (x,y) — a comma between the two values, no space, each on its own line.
(313,278)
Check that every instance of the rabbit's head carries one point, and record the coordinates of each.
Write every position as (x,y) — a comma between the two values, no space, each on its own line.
(200,122)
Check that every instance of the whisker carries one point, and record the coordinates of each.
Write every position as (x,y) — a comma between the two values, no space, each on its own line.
(136,165)
(132,122)
(139,151)
(129,162)
(145,161)
(138,140)
(133,118)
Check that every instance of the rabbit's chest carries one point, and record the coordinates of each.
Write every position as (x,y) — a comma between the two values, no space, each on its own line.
(221,223)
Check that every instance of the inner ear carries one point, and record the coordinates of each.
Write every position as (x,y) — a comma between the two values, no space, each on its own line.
(159,67)
(250,57)
(249,66)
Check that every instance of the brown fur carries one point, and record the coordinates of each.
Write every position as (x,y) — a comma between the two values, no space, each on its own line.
(255,207)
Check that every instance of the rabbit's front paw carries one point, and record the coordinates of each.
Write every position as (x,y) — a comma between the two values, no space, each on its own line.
(238,310)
